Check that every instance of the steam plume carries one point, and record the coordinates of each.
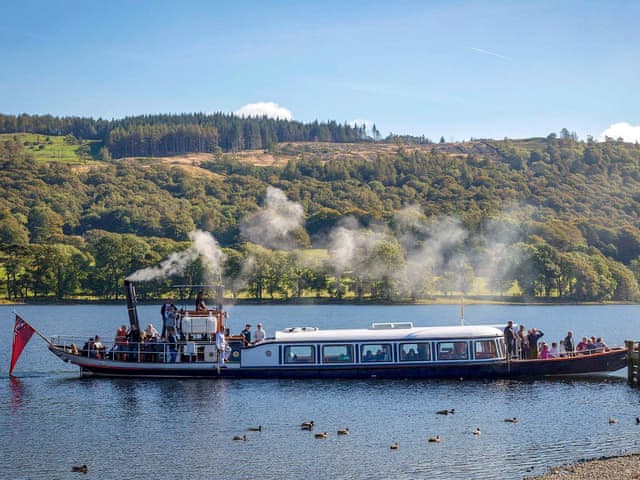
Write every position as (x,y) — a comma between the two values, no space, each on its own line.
(275,225)
(203,246)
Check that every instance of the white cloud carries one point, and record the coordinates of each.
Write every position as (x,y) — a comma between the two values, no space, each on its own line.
(630,133)
(261,109)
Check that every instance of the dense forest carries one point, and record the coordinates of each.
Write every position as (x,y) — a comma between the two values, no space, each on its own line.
(545,218)
(153,135)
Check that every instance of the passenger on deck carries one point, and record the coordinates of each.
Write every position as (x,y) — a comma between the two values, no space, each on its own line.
(260,334)
(121,343)
(368,356)
(98,347)
(88,347)
(554,351)
(151,332)
(591,345)
(582,346)
(534,336)
(133,337)
(523,342)
(201,306)
(600,346)
(167,306)
(246,335)
(544,351)
(221,346)
(510,339)
(562,351)
(569,344)
(169,326)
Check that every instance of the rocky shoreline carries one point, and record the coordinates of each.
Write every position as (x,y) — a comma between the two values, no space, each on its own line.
(624,467)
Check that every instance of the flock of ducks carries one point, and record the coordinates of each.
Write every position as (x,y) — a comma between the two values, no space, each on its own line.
(308,426)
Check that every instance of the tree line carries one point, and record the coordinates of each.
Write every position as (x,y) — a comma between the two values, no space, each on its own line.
(157,135)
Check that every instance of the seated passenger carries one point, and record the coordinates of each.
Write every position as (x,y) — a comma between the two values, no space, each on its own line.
(98,347)
(582,346)
(591,345)
(412,355)
(460,352)
(544,351)
(600,346)
(368,357)
(562,351)
(88,348)
(151,333)
(554,352)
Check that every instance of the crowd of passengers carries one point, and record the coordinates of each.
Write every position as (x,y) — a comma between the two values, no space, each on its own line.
(151,345)
(526,344)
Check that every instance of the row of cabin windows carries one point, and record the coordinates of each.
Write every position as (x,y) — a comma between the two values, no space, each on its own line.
(383,352)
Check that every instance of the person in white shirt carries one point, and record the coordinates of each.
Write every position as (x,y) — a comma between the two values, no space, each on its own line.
(221,346)
(259,334)
(151,332)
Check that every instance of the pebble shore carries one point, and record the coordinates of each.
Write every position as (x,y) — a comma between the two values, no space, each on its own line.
(625,467)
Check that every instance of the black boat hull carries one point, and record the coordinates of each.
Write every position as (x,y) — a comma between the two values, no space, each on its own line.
(609,361)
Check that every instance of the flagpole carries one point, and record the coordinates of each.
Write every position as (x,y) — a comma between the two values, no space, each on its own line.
(35,330)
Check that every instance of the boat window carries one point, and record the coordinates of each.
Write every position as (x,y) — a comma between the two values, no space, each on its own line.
(375,352)
(299,354)
(337,354)
(414,352)
(453,350)
(486,349)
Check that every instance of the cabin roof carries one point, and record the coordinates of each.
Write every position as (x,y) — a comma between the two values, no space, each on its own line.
(305,334)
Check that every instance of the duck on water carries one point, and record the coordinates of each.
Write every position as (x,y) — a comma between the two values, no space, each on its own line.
(202,347)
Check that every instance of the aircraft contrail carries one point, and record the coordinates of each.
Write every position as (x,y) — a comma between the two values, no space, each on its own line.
(487,52)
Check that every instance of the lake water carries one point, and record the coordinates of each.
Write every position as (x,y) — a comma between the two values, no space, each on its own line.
(51,419)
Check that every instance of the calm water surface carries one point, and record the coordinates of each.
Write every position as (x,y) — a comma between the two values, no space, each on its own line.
(51,419)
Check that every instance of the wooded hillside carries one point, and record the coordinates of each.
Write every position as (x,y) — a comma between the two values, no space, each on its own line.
(566,212)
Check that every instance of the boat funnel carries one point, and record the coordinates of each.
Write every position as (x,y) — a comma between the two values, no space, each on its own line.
(132,310)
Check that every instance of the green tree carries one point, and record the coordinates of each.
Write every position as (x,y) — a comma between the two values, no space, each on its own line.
(44,224)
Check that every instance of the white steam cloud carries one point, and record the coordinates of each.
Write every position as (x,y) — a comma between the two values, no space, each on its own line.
(276,224)
(351,247)
(264,109)
(624,130)
(203,246)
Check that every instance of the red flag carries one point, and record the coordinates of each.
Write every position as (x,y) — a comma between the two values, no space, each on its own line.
(22,332)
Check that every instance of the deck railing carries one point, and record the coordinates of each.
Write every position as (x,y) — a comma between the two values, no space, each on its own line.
(154,351)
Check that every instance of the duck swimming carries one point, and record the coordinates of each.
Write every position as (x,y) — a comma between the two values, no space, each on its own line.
(476,431)
(446,412)
(240,437)
(307,425)
(435,439)
(511,420)
(343,431)
(394,446)
(322,435)
(255,429)
(80,469)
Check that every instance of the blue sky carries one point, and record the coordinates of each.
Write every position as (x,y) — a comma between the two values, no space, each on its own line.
(459,69)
